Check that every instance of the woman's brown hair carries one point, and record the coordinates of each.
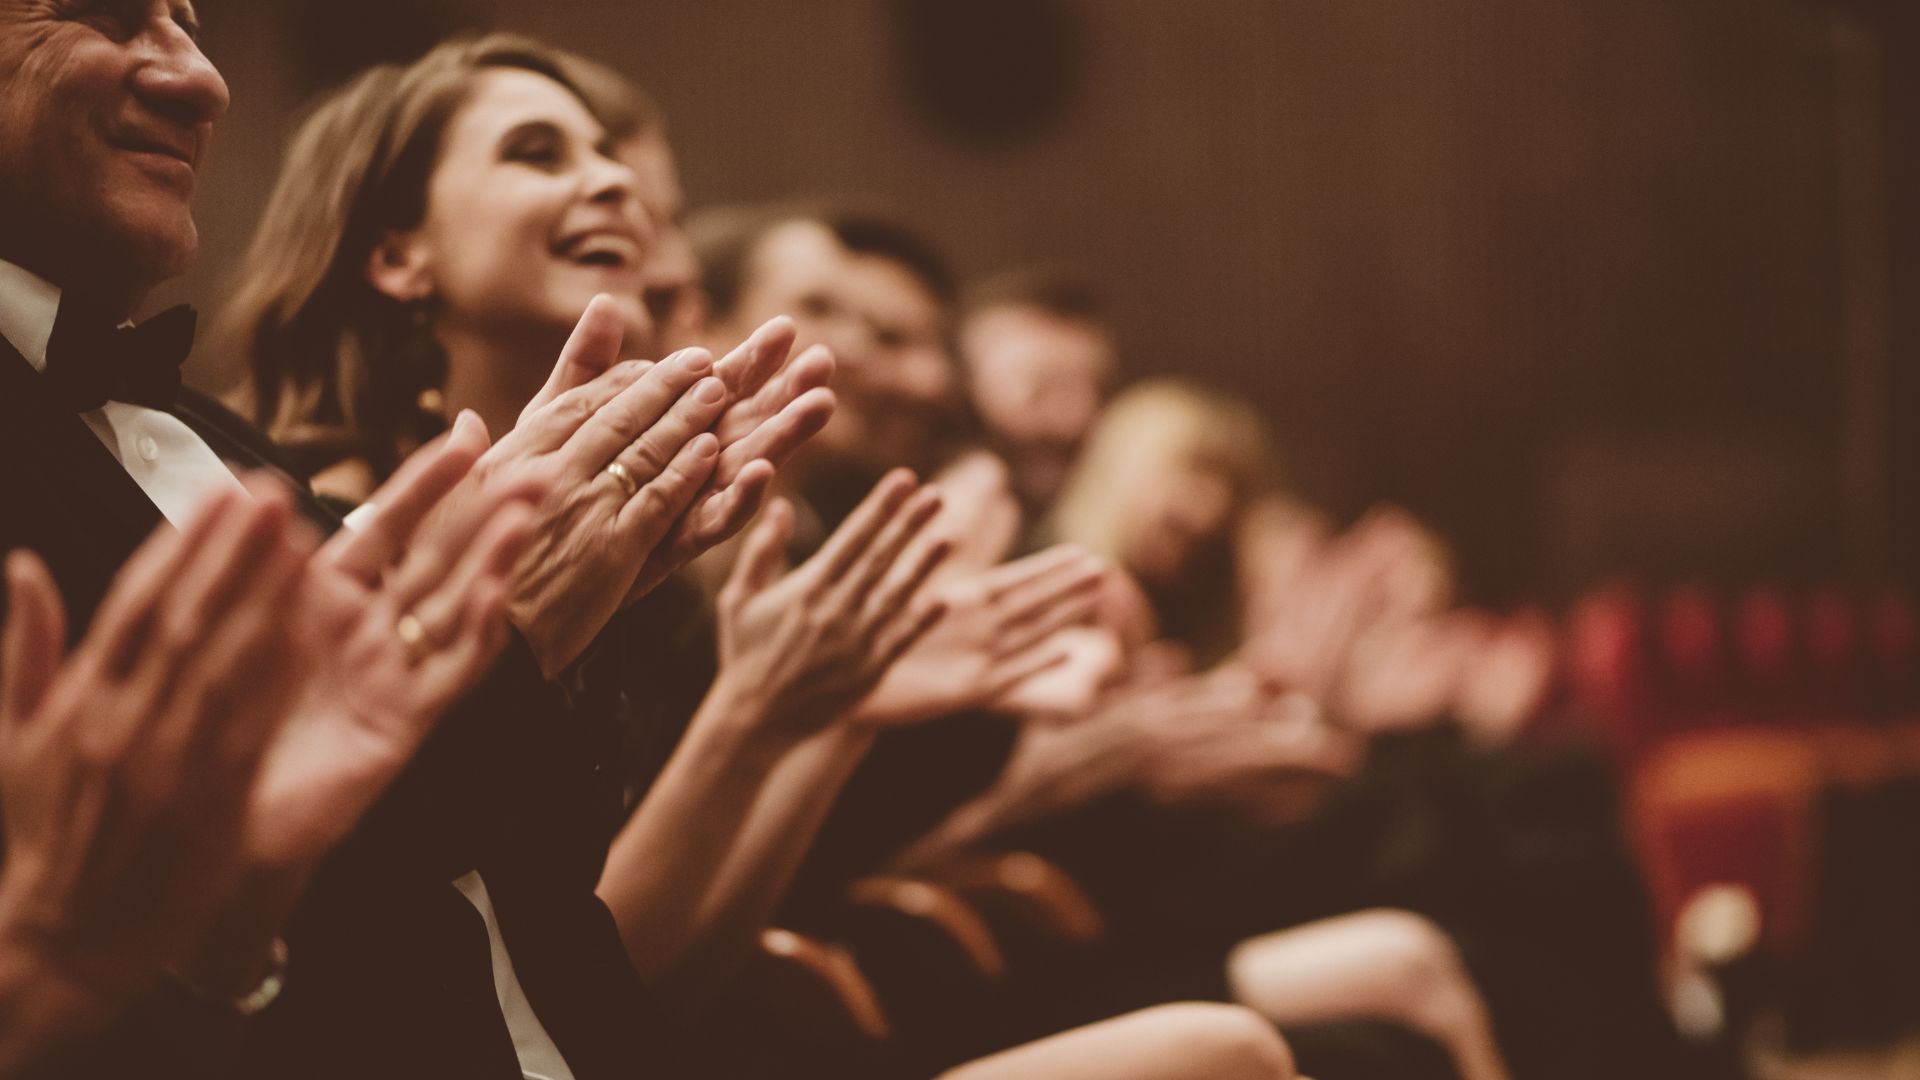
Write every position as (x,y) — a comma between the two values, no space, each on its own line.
(340,370)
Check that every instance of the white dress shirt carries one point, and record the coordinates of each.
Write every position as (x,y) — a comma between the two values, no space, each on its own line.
(176,469)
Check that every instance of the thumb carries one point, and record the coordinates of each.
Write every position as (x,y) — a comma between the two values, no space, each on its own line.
(764,555)
(592,348)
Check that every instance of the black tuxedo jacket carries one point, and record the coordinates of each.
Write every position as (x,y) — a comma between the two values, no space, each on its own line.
(390,973)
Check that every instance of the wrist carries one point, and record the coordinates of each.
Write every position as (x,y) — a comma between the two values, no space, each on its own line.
(48,1005)
(242,950)
(738,721)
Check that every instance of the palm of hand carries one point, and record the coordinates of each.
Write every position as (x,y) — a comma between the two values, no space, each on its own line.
(366,709)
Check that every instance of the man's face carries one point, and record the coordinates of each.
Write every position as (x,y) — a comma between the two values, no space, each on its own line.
(1038,382)
(893,378)
(106,108)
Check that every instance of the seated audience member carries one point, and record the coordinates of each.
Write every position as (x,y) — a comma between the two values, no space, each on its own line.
(1039,362)
(483,212)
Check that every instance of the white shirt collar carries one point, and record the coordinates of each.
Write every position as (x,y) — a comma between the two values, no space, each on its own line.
(28,304)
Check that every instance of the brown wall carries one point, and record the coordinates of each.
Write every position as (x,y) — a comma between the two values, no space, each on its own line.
(1566,278)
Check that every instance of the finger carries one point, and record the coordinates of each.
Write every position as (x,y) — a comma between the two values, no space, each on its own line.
(908,577)
(859,529)
(763,556)
(749,367)
(229,688)
(1004,579)
(34,638)
(775,440)
(452,670)
(650,515)
(424,565)
(720,514)
(811,369)
(122,616)
(623,420)
(548,428)
(1017,668)
(1084,574)
(403,502)
(695,412)
(909,632)
(714,517)
(210,580)
(592,349)
(873,563)
(442,610)
(1070,610)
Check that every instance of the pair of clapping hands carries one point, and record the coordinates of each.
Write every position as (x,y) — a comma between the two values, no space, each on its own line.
(245,692)
(907,614)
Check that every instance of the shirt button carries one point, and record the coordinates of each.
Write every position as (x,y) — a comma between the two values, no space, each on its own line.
(149,447)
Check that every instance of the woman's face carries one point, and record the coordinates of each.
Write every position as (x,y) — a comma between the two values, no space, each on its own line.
(1178,507)
(528,217)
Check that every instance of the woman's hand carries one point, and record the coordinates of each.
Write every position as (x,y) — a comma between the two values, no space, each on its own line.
(803,647)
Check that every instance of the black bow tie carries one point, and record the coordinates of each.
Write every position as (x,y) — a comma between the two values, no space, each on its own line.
(91,360)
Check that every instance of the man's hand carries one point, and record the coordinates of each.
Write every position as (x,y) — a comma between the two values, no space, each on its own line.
(127,768)
(403,620)
(801,647)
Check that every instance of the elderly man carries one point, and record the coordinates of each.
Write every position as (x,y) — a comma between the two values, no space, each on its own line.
(394,956)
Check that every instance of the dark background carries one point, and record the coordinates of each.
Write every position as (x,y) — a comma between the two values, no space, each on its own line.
(1595,288)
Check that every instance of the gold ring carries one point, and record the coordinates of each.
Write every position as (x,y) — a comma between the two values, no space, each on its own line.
(619,472)
(413,635)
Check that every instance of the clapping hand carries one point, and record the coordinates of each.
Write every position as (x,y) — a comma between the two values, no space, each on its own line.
(649,463)
(998,632)
(127,769)
(805,645)
(404,619)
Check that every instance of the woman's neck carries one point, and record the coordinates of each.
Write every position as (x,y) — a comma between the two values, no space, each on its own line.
(494,375)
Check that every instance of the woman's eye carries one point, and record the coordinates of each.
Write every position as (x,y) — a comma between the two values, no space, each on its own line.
(542,152)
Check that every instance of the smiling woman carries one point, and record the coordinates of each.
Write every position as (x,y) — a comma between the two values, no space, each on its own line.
(371,307)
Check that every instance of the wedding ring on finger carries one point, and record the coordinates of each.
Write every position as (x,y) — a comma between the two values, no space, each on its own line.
(625,478)
(413,635)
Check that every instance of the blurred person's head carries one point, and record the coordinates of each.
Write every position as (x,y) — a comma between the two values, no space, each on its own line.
(1159,489)
(440,224)
(1039,362)
(1165,475)
(105,113)
(867,287)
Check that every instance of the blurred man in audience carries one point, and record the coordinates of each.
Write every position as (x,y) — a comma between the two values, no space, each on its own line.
(1039,362)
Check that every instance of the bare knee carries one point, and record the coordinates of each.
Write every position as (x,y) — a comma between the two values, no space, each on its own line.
(1228,1041)
(1440,995)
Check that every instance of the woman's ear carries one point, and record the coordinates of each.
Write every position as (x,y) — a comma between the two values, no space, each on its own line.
(397,267)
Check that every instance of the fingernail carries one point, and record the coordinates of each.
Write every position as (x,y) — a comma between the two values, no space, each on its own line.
(699,360)
(709,391)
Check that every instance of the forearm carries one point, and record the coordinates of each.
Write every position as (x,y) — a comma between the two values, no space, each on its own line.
(769,852)
(1053,770)
(666,862)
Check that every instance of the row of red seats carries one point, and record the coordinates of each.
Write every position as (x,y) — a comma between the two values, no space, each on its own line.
(1646,663)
